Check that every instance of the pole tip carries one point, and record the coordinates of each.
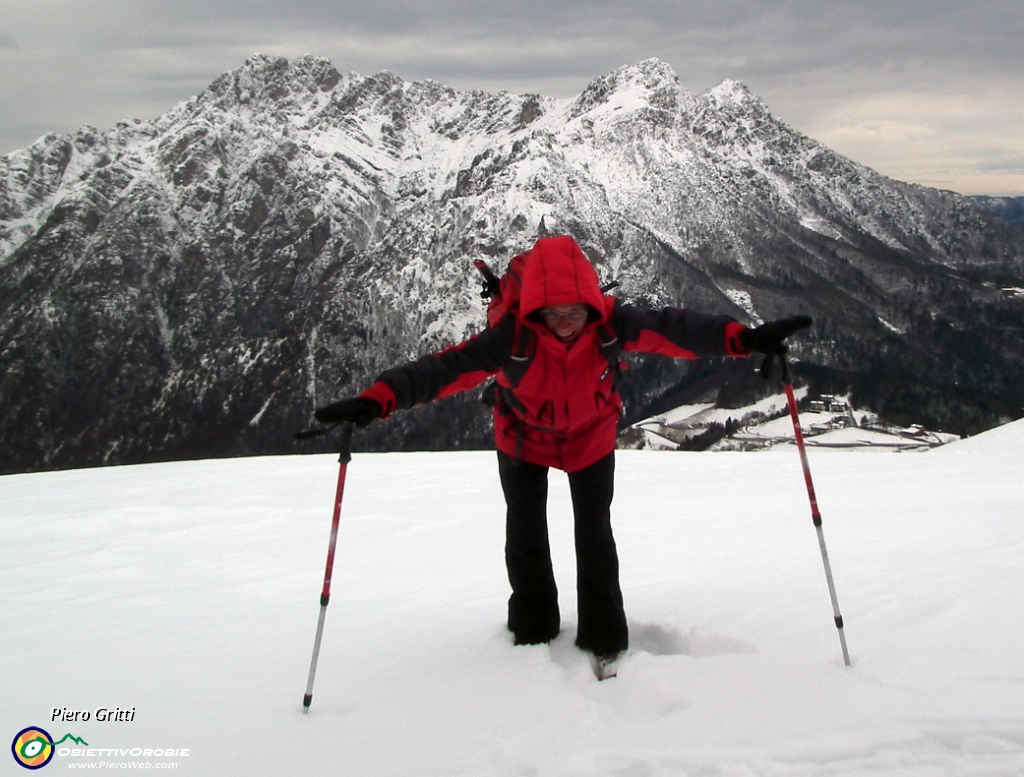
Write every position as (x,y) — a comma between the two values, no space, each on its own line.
(307,700)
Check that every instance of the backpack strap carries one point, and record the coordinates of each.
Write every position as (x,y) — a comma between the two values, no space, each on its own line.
(611,348)
(524,348)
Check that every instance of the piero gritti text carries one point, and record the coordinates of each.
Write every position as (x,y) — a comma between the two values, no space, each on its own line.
(103,714)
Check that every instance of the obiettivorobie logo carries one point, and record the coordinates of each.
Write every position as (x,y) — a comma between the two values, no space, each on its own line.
(33,747)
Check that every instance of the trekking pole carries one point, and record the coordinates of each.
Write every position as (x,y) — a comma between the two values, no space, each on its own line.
(325,595)
(815,515)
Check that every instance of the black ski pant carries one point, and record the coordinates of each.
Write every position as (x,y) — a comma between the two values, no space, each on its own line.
(533,615)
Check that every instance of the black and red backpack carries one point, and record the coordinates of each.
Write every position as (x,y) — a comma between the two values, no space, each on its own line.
(502,294)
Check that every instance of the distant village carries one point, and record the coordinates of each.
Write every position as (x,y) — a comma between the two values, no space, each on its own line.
(826,421)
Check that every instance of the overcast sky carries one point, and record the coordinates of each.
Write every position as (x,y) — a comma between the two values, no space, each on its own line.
(929,91)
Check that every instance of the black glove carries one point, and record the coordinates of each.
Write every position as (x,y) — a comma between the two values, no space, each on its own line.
(768,338)
(356,410)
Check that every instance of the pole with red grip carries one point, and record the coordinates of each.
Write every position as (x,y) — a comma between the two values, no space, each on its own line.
(815,514)
(325,595)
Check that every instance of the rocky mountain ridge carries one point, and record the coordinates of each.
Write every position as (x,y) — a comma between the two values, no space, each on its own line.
(197,284)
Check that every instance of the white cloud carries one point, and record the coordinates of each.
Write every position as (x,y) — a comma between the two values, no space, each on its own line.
(971,142)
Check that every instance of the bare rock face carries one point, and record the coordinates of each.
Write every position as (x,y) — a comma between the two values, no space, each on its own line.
(195,285)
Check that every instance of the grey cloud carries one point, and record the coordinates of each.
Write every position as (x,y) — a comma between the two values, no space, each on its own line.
(805,57)
(868,41)
(19,135)
(990,28)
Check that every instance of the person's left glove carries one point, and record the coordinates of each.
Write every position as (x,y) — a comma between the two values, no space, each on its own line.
(769,337)
(355,410)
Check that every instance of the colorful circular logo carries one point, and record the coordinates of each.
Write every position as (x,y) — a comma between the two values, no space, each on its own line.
(32,748)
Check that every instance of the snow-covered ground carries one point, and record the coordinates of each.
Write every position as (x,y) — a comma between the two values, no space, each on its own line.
(188,592)
(709,413)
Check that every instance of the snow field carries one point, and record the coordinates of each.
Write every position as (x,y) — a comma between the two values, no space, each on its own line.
(190,591)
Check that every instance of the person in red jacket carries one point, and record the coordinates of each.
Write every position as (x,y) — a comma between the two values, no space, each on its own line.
(555,405)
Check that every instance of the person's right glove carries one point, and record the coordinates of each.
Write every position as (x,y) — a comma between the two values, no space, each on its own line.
(355,410)
(768,338)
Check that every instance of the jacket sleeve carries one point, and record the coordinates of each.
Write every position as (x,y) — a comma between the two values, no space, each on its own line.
(457,368)
(683,334)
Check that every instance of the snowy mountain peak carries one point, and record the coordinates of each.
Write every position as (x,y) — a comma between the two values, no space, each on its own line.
(733,94)
(652,73)
(650,83)
(265,80)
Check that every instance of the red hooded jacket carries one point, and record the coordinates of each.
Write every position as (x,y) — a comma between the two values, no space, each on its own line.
(564,411)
